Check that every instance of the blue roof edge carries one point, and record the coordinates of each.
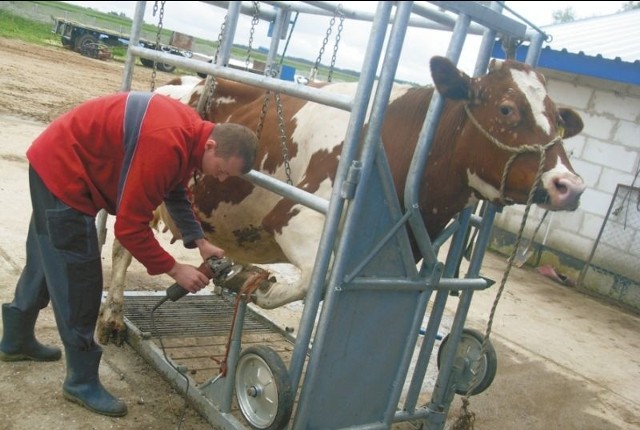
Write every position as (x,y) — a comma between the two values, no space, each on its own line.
(580,64)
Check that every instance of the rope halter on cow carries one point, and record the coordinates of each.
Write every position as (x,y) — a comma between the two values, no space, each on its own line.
(466,419)
(523,149)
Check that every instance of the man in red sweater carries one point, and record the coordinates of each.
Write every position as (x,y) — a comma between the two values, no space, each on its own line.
(125,153)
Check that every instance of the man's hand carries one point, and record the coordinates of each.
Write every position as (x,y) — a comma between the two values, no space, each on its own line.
(188,277)
(207,249)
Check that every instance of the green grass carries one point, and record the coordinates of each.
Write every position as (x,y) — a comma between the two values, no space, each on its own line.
(16,27)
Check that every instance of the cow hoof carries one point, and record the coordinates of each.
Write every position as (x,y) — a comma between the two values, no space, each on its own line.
(112,335)
(111,329)
(238,282)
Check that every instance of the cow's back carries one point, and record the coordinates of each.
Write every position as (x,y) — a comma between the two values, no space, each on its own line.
(249,221)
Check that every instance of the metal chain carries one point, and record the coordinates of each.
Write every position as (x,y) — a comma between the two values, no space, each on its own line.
(335,46)
(254,21)
(263,113)
(211,80)
(155,62)
(220,36)
(212,89)
(314,71)
(283,139)
(273,72)
(268,72)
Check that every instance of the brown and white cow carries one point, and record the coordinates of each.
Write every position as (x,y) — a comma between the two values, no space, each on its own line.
(484,121)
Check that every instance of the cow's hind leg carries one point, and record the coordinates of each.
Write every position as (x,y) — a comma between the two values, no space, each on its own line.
(111,327)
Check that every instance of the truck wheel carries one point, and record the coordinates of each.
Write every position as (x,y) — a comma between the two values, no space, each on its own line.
(163,67)
(85,39)
(146,62)
(204,75)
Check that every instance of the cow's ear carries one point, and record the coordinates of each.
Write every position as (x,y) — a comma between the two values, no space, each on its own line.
(572,122)
(450,82)
(495,65)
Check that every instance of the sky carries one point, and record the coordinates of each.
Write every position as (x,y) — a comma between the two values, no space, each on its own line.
(204,21)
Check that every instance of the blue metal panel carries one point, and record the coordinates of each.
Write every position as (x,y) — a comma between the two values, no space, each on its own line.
(580,64)
(370,329)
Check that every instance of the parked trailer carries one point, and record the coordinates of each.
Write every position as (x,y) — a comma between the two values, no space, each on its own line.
(95,42)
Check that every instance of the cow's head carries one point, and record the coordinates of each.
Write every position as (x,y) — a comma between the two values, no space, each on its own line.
(508,120)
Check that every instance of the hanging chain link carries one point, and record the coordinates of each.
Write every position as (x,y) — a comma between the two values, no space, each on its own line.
(273,72)
(263,113)
(314,70)
(210,93)
(254,21)
(154,72)
(283,139)
(223,28)
(211,80)
(339,12)
(267,94)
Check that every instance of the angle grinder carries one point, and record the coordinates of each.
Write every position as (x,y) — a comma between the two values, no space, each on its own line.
(219,270)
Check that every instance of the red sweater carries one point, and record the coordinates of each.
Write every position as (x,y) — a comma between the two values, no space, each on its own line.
(79,158)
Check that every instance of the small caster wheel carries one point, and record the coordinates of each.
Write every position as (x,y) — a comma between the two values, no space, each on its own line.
(263,388)
(478,369)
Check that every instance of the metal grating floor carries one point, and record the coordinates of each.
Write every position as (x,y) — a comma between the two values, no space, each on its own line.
(192,334)
(193,315)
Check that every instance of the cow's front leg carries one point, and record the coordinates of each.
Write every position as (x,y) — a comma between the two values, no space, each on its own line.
(111,327)
(298,240)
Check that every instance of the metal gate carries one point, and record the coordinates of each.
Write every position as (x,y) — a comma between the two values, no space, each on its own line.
(375,298)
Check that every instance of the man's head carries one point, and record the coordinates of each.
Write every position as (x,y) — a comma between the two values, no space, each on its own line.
(229,151)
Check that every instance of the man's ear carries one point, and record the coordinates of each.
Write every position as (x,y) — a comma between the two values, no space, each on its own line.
(210,144)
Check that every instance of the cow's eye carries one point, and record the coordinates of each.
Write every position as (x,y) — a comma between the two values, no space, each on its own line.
(506,110)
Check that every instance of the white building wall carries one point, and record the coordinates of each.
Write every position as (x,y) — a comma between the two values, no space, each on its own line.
(605,154)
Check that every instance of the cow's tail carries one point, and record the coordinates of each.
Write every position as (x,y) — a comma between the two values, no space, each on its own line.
(161,216)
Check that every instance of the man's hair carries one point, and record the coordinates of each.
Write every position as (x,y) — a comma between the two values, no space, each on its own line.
(235,140)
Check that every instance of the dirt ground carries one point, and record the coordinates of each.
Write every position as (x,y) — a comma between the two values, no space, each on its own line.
(565,360)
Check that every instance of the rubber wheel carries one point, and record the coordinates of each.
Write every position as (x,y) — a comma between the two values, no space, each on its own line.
(85,39)
(163,67)
(484,367)
(263,388)
(146,62)
(204,75)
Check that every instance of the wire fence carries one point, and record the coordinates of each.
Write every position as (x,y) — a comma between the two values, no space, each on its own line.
(616,251)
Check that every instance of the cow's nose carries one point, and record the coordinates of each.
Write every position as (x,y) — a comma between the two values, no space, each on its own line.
(565,192)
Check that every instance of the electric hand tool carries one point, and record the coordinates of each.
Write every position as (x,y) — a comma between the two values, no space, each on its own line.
(218,269)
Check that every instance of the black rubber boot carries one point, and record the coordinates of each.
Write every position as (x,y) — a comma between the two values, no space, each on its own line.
(82,384)
(18,338)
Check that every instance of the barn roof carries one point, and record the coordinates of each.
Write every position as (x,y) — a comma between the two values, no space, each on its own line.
(604,47)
